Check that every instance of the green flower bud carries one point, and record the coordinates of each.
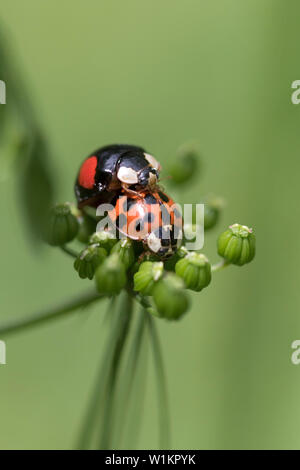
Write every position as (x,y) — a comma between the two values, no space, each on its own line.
(110,276)
(146,277)
(182,252)
(185,166)
(90,212)
(212,210)
(237,245)
(169,297)
(147,256)
(190,232)
(133,270)
(195,270)
(211,216)
(170,263)
(124,248)
(87,227)
(104,239)
(88,260)
(62,225)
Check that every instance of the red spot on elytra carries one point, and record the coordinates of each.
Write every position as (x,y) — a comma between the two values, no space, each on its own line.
(87,173)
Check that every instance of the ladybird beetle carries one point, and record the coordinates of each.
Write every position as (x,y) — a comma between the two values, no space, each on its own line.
(150,217)
(113,168)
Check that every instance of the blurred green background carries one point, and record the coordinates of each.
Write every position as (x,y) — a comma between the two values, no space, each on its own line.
(158,74)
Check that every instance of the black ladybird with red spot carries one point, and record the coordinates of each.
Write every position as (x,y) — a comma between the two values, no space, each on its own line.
(112,168)
(150,217)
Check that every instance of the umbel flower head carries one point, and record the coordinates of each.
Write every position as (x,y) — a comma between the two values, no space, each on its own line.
(119,262)
(237,245)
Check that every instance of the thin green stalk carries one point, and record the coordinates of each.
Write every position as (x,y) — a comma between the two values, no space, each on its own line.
(23,323)
(131,370)
(100,414)
(108,418)
(163,404)
(137,408)
(147,306)
(219,266)
(92,414)
(69,251)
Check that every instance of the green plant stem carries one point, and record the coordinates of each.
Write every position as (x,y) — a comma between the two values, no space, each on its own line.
(69,251)
(144,302)
(219,266)
(39,318)
(108,418)
(163,405)
(131,369)
(97,397)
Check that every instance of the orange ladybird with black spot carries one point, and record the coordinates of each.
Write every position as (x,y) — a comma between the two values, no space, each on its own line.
(150,217)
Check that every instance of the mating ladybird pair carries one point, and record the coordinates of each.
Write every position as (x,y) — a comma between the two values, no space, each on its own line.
(126,177)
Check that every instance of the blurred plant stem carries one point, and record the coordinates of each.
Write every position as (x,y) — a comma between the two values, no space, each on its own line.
(36,319)
(107,427)
(99,423)
(103,425)
(131,369)
(99,419)
(97,398)
(219,266)
(69,251)
(163,404)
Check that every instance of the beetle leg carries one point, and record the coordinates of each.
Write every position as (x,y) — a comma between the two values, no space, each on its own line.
(125,187)
(144,256)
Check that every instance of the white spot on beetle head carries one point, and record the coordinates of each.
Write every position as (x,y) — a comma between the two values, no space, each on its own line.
(152,161)
(153,242)
(127,175)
